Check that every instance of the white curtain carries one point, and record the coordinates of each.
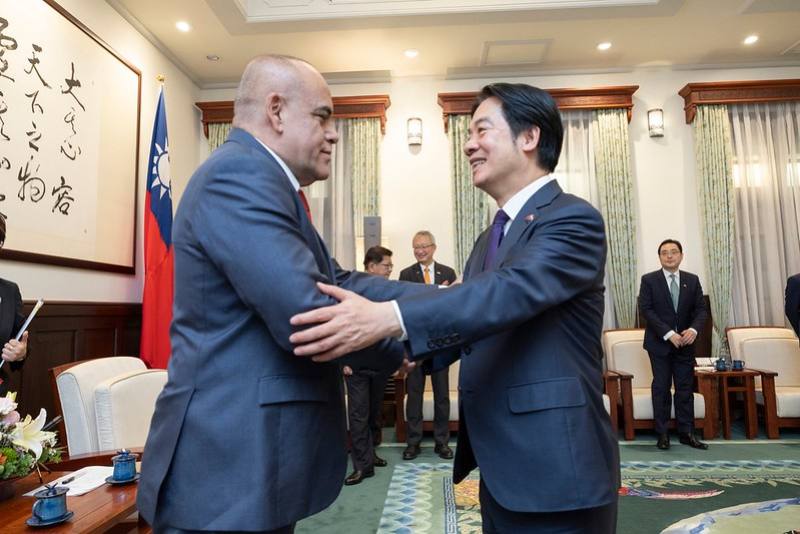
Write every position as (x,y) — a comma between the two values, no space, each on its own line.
(331,203)
(576,174)
(766,176)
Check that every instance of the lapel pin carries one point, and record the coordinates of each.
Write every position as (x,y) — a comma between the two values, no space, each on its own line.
(529,218)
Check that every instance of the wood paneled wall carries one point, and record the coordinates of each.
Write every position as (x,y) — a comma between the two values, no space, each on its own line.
(65,332)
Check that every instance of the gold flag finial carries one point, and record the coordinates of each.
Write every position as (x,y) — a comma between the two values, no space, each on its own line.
(161,78)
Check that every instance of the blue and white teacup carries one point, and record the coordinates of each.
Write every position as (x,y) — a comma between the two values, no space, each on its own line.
(721,365)
(51,503)
(124,466)
(738,365)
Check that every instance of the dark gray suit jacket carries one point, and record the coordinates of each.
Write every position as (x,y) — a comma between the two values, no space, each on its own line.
(11,320)
(441,274)
(792,303)
(246,435)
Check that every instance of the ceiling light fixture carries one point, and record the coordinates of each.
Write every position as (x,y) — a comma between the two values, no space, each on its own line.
(411,53)
(604,46)
(212,57)
(751,39)
(183,26)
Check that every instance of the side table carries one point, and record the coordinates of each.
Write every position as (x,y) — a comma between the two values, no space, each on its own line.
(721,384)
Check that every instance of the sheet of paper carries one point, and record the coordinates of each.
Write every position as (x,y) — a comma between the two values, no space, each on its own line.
(85,480)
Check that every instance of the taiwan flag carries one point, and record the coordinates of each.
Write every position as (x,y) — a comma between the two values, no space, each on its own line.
(158,255)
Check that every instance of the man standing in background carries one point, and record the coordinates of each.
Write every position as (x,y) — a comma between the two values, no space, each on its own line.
(366,383)
(671,302)
(427,271)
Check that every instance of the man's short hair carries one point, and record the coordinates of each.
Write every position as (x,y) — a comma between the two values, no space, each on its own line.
(375,255)
(427,234)
(524,107)
(667,242)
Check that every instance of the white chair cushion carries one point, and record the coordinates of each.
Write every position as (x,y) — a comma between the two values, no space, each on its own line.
(781,355)
(643,405)
(787,400)
(607,403)
(624,352)
(76,392)
(427,406)
(124,406)
(736,336)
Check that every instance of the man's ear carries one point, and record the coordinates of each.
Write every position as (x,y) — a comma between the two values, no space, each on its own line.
(529,139)
(274,104)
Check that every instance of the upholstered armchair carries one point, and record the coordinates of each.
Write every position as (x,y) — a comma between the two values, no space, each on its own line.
(775,353)
(124,406)
(627,358)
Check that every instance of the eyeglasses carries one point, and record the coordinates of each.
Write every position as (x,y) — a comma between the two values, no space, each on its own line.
(386,265)
(423,247)
(671,252)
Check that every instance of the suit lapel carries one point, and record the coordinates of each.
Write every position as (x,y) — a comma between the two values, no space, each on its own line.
(475,261)
(526,217)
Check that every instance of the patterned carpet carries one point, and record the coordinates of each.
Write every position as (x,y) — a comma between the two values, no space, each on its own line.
(422,498)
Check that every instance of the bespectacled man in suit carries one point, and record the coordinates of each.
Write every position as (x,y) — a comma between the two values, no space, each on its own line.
(526,323)
(427,271)
(671,302)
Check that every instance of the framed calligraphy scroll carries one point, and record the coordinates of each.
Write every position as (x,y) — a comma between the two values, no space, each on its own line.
(69,141)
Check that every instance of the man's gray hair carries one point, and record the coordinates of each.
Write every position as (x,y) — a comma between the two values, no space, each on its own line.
(427,234)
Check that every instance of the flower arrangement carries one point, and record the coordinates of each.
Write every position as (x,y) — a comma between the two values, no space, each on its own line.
(23,443)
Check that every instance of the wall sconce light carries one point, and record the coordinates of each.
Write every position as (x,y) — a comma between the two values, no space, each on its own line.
(655,122)
(414,131)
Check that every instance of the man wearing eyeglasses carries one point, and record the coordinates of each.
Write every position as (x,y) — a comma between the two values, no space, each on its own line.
(427,271)
(671,302)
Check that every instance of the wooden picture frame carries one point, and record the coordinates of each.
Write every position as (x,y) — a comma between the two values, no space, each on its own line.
(69,142)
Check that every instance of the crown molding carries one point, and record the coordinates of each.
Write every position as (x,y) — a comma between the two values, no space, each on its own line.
(741,92)
(592,98)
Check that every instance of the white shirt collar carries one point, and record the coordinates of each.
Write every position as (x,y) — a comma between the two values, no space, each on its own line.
(515,203)
(289,174)
(667,275)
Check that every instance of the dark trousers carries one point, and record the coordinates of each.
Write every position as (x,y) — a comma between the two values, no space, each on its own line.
(666,369)
(498,520)
(364,396)
(415,386)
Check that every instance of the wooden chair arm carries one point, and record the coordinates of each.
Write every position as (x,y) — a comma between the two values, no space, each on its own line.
(763,372)
(623,375)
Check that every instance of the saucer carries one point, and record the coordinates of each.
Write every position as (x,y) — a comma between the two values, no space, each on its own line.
(112,480)
(34,521)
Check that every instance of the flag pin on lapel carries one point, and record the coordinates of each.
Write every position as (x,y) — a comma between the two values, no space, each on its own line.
(529,218)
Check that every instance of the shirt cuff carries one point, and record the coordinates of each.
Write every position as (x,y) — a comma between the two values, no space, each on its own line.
(666,336)
(404,335)
(693,330)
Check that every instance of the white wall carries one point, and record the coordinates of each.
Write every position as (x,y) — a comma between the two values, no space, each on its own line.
(183,122)
(416,188)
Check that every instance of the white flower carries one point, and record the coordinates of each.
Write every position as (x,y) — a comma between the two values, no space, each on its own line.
(29,435)
(7,404)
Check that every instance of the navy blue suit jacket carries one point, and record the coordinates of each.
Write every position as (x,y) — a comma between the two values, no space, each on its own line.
(655,304)
(246,435)
(792,303)
(530,385)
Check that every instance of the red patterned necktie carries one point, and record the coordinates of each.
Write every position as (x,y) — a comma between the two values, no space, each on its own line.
(305,204)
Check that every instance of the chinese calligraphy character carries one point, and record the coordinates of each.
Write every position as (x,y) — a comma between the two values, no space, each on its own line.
(5,164)
(6,43)
(72,83)
(34,104)
(71,151)
(33,135)
(3,109)
(34,61)
(31,184)
(64,201)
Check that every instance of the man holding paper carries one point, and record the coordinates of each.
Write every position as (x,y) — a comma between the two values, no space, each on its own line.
(11,320)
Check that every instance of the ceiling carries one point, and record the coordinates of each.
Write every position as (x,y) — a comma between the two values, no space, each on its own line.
(364,40)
